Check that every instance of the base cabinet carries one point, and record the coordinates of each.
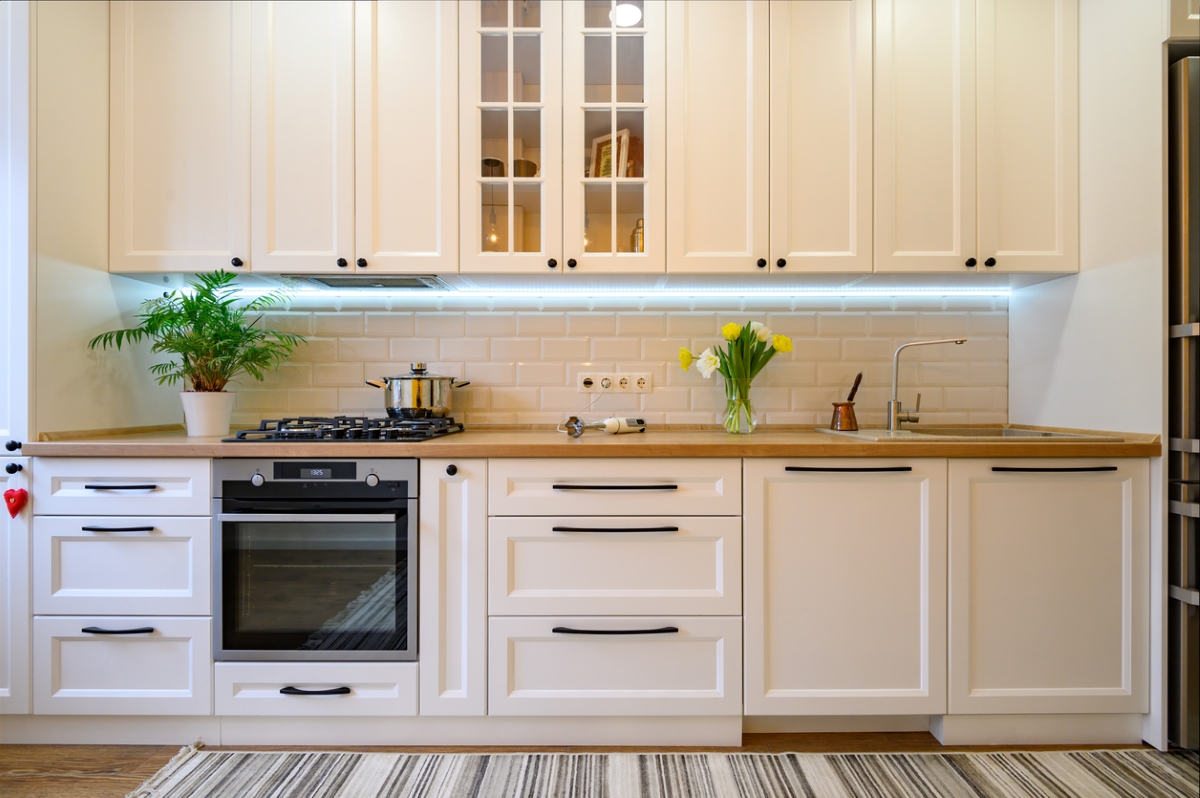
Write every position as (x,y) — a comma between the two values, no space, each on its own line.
(316,688)
(1048,586)
(845,597)
(14,597)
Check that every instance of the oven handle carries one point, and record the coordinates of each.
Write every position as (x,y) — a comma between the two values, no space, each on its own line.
(305,518)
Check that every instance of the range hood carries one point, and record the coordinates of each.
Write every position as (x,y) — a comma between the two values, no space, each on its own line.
(405,281)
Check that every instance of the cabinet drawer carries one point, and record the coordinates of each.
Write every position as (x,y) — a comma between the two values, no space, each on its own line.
(121,486)
(164,672)
(677,565)
(532,670)
(376,688)
(666,486)
(121,565)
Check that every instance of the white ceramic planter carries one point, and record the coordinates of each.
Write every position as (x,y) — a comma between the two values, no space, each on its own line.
(207,414)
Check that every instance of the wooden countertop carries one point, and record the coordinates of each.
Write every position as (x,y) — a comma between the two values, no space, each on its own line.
(547,443)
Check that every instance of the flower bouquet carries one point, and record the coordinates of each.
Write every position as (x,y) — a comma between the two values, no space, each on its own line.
(748,348)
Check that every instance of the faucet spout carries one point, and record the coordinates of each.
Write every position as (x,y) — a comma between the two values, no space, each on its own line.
(895,415)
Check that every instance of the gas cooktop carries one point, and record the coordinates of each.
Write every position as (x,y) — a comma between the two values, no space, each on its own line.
(347,428)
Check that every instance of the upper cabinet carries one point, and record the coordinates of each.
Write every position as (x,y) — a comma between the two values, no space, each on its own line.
(976,136)
(179,184)
(563,136)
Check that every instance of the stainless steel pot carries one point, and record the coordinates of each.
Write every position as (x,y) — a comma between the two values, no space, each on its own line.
(418,395)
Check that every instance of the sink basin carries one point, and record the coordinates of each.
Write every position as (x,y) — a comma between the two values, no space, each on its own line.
(989,434)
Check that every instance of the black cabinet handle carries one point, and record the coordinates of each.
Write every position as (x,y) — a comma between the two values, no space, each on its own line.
(1039,470)
(571,264)
(614,487)
(970,263)
(12,446)
(236,263)
(566,630)
(298,691)
(781,263)
(341,262)
(120,487)
(761,263)
(855,470)
(614,529)
(552,263)
(13,468)
(96,630)
(362,263)
(990,262)
(117,528)
(452,469)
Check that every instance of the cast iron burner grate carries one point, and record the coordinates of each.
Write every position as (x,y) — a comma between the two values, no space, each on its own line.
(307,429)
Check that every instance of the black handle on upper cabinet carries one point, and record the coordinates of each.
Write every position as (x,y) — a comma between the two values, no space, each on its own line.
(297,691)
(120,487)
(236,263)
(13,468)
(361,263)
(117,528)
(552,263)
(571,263)
(990,262)
(12,446)
(970,263)
(452,469)
(614,529)
(761,263)
(96,630)
(566,630)
(614,487)
(781,263)
(1045,470)
(856,470)
(341,262)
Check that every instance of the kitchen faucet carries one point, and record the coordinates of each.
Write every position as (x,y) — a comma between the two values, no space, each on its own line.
(894,413)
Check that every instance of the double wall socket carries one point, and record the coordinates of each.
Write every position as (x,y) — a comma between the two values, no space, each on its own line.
(603,382)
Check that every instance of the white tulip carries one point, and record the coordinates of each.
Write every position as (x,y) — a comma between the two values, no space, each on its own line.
(707,362)
(761,331)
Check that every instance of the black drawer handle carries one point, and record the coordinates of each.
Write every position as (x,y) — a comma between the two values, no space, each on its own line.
(117,528)
(614,529)
(330,691)
(566,630)
(120,487)
(1015,470)
(855,470)
(615,487)
(96,630)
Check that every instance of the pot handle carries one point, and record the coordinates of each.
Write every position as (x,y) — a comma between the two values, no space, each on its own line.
(377,383)
(462,384)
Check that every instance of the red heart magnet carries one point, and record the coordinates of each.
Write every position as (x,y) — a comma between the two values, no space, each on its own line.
(15,500)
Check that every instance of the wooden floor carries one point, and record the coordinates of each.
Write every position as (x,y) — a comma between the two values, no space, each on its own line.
(113,771)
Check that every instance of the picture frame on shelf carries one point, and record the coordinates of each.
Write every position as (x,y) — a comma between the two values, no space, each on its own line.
(604,158)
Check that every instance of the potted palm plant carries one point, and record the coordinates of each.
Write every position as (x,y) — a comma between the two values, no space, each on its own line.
(208,330)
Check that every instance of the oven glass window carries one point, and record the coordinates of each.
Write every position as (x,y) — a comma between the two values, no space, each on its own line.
(315,586)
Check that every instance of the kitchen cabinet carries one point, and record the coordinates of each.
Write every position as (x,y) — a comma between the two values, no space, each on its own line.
(453,587)
(769,156)
(1049,592)
(122,486)
(562,137)
(179,186)
(375,688)
(14,597)
(845,586)
(976,136)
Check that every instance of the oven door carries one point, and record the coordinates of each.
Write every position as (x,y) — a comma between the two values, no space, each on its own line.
(323,587)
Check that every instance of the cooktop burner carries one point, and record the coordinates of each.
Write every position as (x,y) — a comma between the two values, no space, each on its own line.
(347,428)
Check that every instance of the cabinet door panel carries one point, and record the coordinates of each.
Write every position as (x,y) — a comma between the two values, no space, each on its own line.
(302,135)
(1028,77)
(179,152)
(821,77)
(718,142)
(924,135)
(14,598)
(406,153)
(845,588)
(1048,587)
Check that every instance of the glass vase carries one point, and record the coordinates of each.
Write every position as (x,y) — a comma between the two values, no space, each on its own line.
(739,412)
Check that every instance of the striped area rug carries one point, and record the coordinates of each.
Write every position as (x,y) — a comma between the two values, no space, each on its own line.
(1057,774)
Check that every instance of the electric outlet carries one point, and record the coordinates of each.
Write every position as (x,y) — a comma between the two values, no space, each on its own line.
(603,382)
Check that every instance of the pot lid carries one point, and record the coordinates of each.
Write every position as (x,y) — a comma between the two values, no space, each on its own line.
(419,372)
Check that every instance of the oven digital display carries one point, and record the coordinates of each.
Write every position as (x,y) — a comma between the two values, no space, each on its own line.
(316,473)
(301,470)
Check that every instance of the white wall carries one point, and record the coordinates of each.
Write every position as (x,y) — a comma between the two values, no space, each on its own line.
(76,296)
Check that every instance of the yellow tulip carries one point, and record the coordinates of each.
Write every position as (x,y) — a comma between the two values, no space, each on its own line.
(685,359)
(782,343)
(731,331)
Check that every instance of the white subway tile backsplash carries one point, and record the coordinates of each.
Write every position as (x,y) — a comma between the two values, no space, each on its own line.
(541,324)
(440,325)
(615,348)
(633,324)
(841,325)
(540,373)
(945,324)
(591,324)
(335,374)
(412,349)
(566,349)
(516,349)
(500,374)
(463,349)
(342,325)
(363,348)
(495,325)
(389,324)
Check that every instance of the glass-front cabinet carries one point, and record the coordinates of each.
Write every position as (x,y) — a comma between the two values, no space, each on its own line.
(562,120)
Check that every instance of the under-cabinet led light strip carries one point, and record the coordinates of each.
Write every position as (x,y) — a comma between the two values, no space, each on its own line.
(647,294)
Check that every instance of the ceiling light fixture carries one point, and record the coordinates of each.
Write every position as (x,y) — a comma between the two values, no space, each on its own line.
(625,15)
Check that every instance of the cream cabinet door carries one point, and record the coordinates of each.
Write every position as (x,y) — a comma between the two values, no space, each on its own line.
(821,79)
(1049,591)
(179,149)
(718,144)
(1028,135)
(14,597)
(924,135)
(453,587)
(845,586)
(302,135)
(406,136)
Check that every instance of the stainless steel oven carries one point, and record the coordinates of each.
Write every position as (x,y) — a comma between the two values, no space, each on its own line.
(315,559)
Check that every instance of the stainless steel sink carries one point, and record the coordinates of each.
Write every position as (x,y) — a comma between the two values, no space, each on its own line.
(970,434)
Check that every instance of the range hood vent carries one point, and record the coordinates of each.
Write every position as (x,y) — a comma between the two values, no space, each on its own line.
(366,281)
